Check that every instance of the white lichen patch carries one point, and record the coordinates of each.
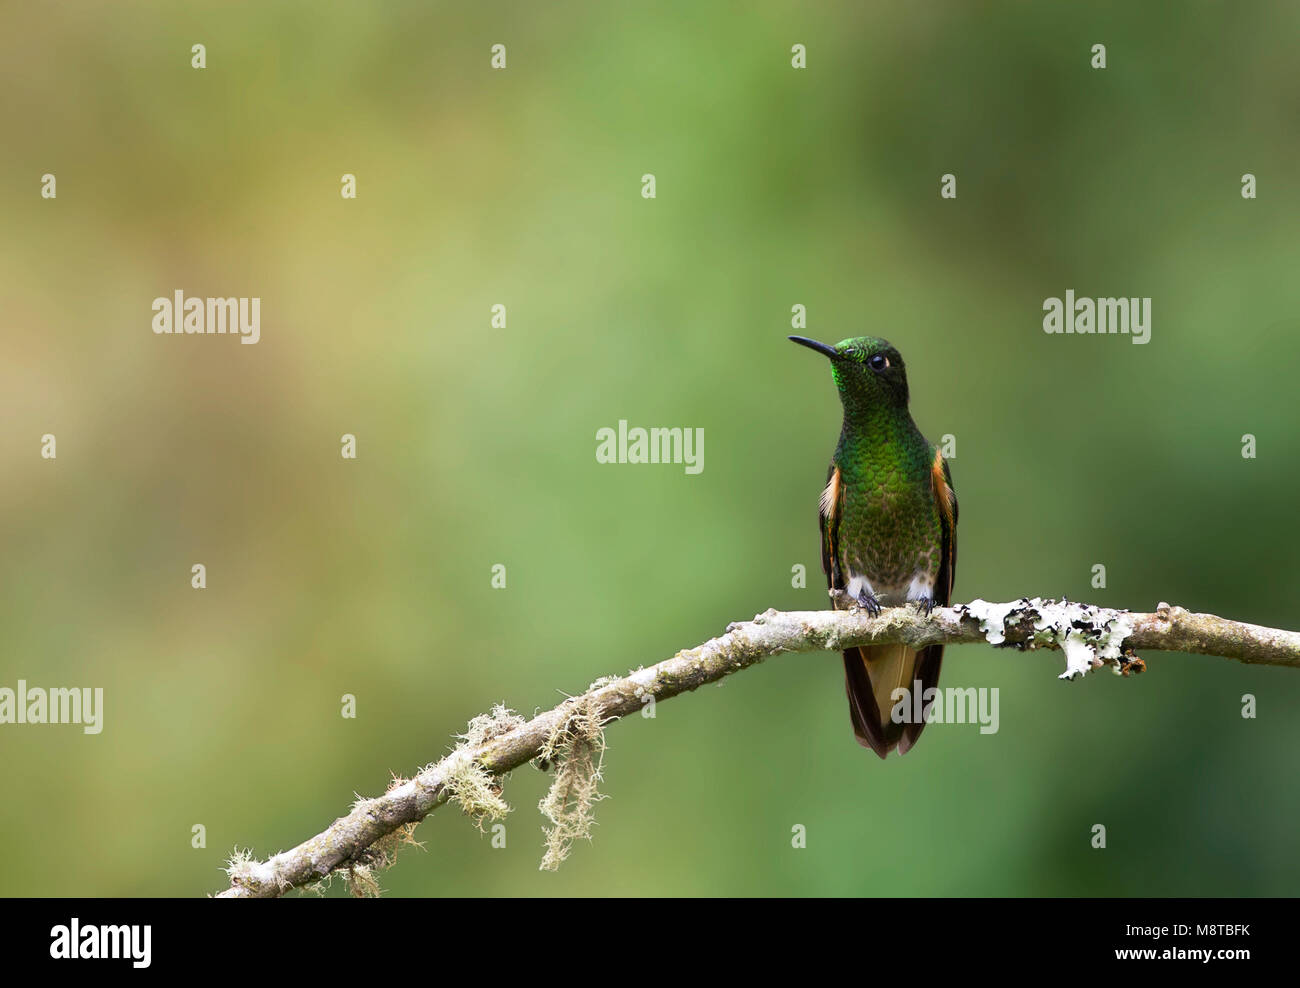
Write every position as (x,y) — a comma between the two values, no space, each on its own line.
(1089,636)
(1079,655)
(993,617)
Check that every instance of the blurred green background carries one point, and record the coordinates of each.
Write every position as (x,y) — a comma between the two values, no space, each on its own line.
(476,446)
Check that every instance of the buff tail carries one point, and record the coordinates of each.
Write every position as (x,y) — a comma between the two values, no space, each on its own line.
(871,675)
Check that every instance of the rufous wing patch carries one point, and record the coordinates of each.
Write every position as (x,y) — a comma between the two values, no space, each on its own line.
(943,494)
(831,495)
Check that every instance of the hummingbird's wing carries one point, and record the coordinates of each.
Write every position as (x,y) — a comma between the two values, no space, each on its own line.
(931,657)
(947,499)
(828,517)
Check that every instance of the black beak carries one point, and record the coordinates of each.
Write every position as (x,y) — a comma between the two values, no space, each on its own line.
(829,351)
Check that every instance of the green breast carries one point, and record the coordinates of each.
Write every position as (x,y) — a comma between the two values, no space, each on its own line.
(890,530)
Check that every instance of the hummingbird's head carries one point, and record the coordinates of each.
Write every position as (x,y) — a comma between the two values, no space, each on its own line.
(868,371)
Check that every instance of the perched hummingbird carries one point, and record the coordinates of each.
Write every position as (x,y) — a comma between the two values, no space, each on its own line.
(889,532)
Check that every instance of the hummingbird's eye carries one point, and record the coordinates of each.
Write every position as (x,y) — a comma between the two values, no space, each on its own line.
(878,362)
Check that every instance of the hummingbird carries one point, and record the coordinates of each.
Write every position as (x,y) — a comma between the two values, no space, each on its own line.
(888,519)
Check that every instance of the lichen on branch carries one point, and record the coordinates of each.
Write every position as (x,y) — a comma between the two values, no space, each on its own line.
(572,733)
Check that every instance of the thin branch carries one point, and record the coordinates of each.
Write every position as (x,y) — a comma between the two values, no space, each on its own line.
(1090,636)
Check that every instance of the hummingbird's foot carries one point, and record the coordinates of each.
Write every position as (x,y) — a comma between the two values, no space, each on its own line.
(867,601)
(927,604)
